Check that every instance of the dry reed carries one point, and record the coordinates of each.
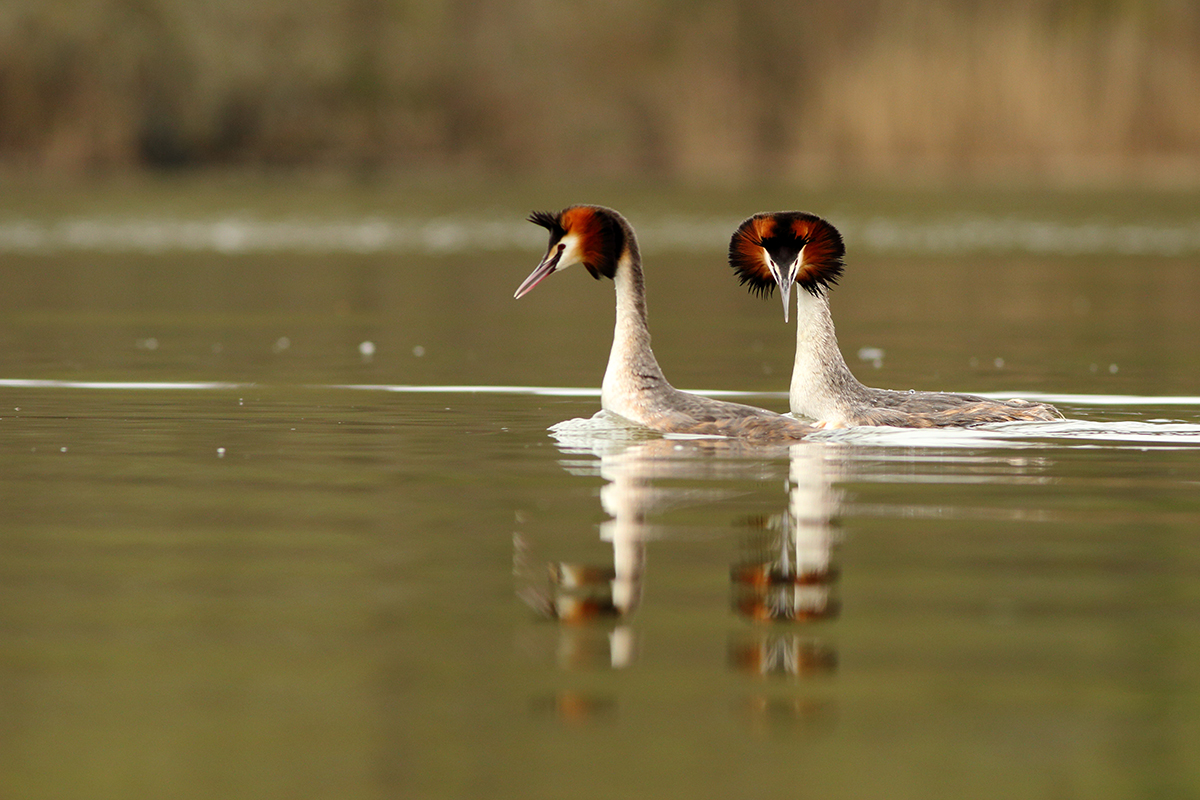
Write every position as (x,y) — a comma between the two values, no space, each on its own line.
(694,90)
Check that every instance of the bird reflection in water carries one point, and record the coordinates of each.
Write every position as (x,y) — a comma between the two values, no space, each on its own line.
(787,582)
(791,574)
(782,583)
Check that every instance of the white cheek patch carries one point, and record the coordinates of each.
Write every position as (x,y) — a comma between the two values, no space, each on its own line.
(572,253)
(768,262)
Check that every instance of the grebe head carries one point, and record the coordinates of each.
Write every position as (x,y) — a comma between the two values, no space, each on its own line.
(594,236)
(786,247)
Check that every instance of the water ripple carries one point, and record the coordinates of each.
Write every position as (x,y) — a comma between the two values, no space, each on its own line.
(233,235)
(569,391)
(1012,434)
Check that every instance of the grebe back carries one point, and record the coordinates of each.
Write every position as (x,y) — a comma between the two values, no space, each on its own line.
(786,247)
(634,387)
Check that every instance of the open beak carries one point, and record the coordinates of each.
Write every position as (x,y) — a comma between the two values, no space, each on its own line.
(544,269)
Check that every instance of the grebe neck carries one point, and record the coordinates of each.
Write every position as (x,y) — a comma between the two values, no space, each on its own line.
(823,387)
(633,376)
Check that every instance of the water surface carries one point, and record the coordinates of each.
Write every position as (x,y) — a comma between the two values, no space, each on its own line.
(243,554)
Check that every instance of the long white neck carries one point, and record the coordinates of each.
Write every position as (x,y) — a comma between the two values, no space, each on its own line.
(633,378)
(822,385)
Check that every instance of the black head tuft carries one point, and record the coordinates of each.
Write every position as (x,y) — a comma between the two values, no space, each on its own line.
(550,222)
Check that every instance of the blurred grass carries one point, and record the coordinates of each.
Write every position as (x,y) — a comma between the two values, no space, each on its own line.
(1085,92)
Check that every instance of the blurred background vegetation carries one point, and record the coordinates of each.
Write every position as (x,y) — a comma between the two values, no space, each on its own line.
(1068,92)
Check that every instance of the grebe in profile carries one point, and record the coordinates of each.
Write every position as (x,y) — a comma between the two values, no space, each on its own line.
(787,247)
(634,386)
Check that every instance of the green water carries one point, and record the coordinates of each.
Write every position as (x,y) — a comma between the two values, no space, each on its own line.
(285,587)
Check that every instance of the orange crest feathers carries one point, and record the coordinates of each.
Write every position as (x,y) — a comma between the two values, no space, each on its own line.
(782,235)
(602,235)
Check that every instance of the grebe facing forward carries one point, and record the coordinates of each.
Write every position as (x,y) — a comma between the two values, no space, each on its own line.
(787,247)
(634,386)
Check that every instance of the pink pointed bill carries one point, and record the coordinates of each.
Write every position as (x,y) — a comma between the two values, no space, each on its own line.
(540,273)
(785,291)
(784,283)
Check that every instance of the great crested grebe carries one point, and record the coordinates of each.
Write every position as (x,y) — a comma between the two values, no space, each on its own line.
(786,247)
(634,386)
